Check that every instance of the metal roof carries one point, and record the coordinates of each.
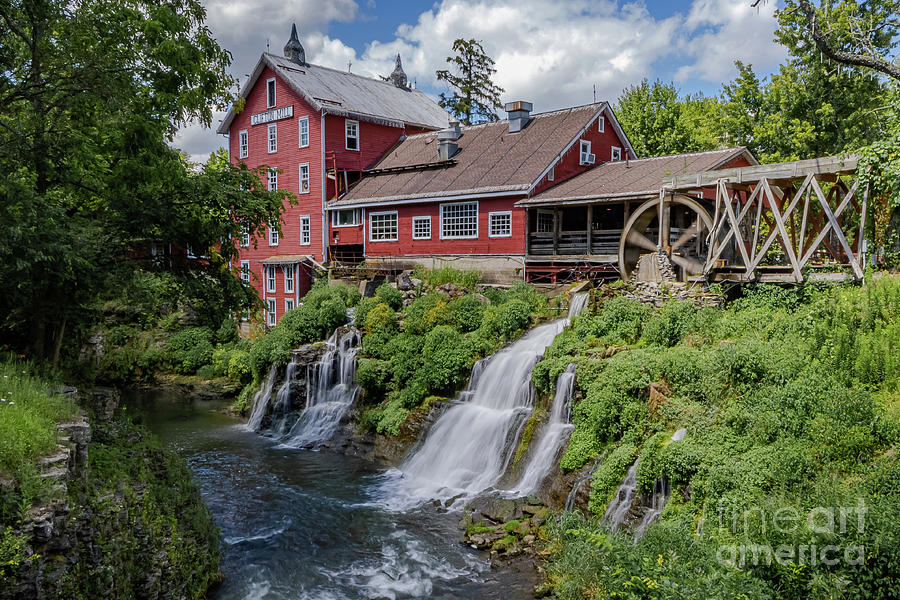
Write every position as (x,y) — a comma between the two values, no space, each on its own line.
(350,95)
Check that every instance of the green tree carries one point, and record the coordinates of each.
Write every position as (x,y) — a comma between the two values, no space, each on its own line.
(475,96)
(91,91)
(658,120)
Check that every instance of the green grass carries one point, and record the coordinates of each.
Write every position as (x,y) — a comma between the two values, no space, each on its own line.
(29,413)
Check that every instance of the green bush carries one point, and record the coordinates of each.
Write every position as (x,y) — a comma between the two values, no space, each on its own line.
(447,360)
(380,318)
(227,332)
(372,376)
(459,278)
(190,349)
(509,320)
(389,295)
(669,326)
(239,367)
(405,352)
(619,322)
(609,476)
(465,313)
(425,312)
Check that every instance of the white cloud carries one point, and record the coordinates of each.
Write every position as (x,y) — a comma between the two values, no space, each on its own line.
(548,52)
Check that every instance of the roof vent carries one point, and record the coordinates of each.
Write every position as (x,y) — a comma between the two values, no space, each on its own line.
(293,50)
(447,146)
(519,114)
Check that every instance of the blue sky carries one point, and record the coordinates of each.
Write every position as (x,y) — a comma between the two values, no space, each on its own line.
(548,52)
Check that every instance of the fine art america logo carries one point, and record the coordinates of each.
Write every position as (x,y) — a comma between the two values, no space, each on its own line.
(835,524)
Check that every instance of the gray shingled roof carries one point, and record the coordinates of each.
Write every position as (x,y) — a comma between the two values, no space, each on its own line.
(490,160)
(631,179)
(347,94)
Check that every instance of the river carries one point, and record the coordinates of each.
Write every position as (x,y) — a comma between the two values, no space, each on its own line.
(309,525)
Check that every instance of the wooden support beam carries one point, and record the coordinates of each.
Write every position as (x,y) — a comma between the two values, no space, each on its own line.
(829,166)
(556,227)
(590,226)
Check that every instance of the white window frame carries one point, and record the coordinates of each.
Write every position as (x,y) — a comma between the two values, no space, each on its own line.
(245,236)
(305,230)
(421,236)
(551,175)
(347,137)
(537,223)
(303,180)
(601,123)
(288,305)
(356,217)
(270,93)
(615,154)
(272,180)
(271,313)
(501,213)
(288,271)
(584,148)
(243,143)
(303,131)
(396,225)
(245,271)
(273,234)
(271,279)
(272,137)
(444,208)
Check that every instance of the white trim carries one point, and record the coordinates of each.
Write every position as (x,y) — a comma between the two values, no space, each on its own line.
(378,214)
(308,230)
(421,218)
(245,271)
(347,123)
(292,278)
(357,218)
(612,154)
(551,174)
(273,235)
(271,312)
(300,122)
(243,144)
(244,240)
(274,98)
(272,138)
(458,237)
(271,289)
(272,182)
(601,124)
(300,178)
(498,213)
(288,305)
(429,199)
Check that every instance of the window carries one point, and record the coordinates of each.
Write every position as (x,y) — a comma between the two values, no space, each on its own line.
(585,153)
(351,134)
(304,178)
(189,250)
(245,236)
(289,279)
(272,317)
(273,180)
(270,93)
(245,271)
(304,131)
(273,234)
(305,234)
(383,227)
(459,220)
(601,123)
(243,143)
(500,224)
(615,154)
(270,278)
(544,221)
(421,228)
(552,174)
(273,138)
(288,304)
(345,218)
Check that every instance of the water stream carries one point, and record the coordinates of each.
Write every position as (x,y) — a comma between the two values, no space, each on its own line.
(301,525)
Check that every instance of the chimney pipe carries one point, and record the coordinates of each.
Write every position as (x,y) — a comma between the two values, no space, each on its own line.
(518,113)
(447,146)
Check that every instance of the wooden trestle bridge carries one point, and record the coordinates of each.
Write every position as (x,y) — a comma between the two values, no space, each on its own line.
(769,223)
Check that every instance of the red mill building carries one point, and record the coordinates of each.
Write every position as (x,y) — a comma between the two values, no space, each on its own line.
(382,175)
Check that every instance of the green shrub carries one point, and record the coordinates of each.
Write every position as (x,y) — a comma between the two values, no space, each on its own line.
(389,295)
(460,278)
(465,313)
(405,352)
(239,367)
(609,476)
(381,318)
(362,311)
(424,313)
(227,332)
(190,349)
(511,318)
(669,326)
(619,321)
(372,376)
(447,360)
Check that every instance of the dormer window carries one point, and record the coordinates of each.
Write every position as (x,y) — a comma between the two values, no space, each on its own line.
(601,123)
(615,154)
(351,134)
(552,174)
(270,93)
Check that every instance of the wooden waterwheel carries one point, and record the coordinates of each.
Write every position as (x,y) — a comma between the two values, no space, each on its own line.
(683,235)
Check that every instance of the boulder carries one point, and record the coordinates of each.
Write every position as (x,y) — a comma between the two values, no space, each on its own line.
(404,282)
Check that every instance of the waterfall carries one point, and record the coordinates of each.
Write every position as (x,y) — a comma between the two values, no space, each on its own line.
(550,437)
(282,407)
(261,401)
(579,483)
(661,494)
(471,444)
(619,507)
(330,392)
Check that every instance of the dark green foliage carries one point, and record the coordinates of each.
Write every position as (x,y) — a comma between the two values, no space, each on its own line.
(227,332)
(389,295)
(372,376)
(475,96)
(669,326)
(190,349)
(619,322)
(458,277)
(465,313)
(506,320)
(447,360)
(425,313)
(609,476)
